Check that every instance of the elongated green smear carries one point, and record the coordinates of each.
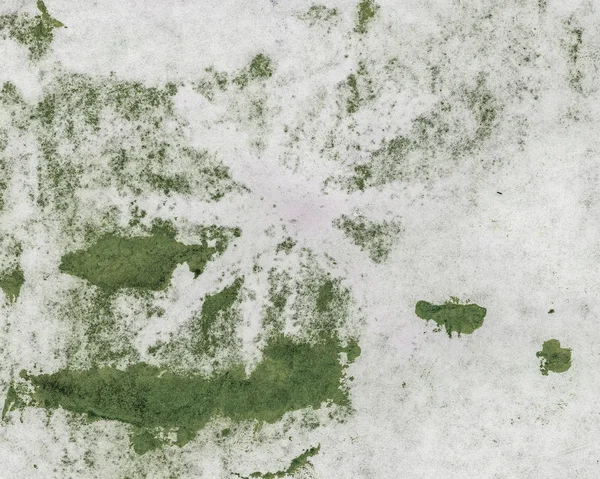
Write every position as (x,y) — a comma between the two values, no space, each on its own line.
(11,283)
(554,358)
(455,317)
(143,262)
(291,376)
(297,463)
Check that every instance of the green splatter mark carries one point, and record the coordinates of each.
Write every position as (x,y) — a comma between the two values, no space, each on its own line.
(11,283)
(366,10)
(375,238)
(35,33)
(554,358)
(455,317)
(297,463)
(216,319)
(143,262)
(574,43)
(353,95)
(551,311)
(291,376)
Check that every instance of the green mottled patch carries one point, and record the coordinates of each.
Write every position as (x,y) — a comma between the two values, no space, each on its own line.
(455,317)
(375,238)
(11,283)
(291,376)
(297,464)
(35,33)
(366,11)
(143,262)
(286,245)
(554,358)
(359,88)
(318,13)
(260,68)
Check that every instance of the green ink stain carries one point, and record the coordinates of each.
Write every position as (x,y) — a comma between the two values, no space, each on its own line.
(296,465)
(455,317)
(11,284)
(35,33)
(366,10)
(375,238)
(143,262)
(291,376)
(554,358)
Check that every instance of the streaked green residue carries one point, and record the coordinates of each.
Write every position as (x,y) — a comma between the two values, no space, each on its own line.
(11,283)
(297,463)
(318,13)
(366,11)
(291,376)
(554,358)
(35,33)
(455,317)
(143,262)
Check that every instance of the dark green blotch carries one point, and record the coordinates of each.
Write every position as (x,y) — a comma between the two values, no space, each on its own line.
(455,317)
(143,262)
(11,284)
(554,358)
(291,376)
(297,463)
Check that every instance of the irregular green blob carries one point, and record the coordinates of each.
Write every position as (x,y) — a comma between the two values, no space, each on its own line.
(455,317)
(291,376)
(375,238)
(143,262)
(216,307)
(11,283)
(366,11)
(297,463)
(353,97)
(359,88)
(554,358)
(35,33)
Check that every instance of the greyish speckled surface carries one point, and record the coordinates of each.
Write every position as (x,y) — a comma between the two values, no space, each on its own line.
(292,239)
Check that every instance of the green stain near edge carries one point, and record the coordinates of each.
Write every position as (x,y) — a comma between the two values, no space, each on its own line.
(297,463)
(553,357)
(11,284)
(291,376)
(455,317)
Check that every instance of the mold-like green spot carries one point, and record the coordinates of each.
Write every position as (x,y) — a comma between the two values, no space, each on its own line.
(291,376)
(375,238)
(455,317)
(318,13)
(554,358)
(143,262)
(366,10)
(286,245)
(353,96)
(260,68)
(297,463)
(359,88)
(11,283)
(35,33)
